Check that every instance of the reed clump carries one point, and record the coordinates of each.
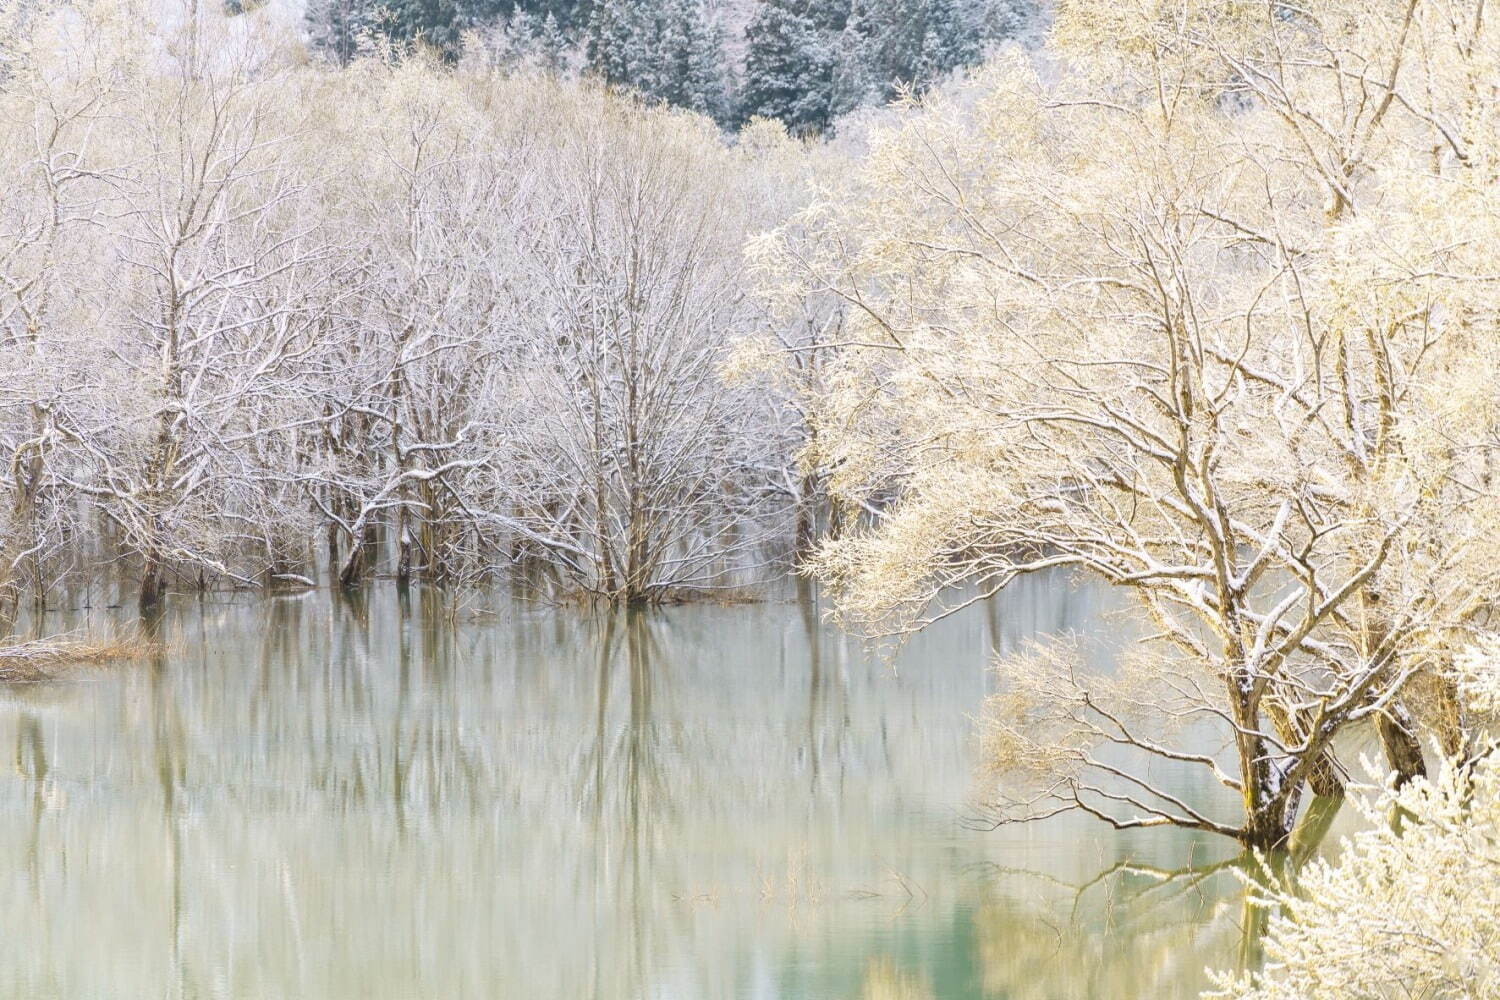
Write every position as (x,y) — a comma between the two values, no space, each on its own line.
(41,659)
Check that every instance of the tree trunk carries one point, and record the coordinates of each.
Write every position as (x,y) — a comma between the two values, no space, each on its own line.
(28,477)
(354,565)
(403,548)
(333,548)
(1323,771)
(807,521)
(1455,737)
(1267,826)
(1398,739)
(152,584)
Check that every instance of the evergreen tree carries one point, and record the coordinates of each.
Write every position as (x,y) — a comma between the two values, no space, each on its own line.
(789,65)
(438,24)
(809,61)
(691,54)
(340,29)
(667,50)
(569,16)
(614,41)
(1008,18)
(337,27)
(915,43)
(552,43)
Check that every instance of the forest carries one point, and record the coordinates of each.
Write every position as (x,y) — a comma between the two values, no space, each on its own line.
(265,319)
(638,303)
(267,315)
(805,63)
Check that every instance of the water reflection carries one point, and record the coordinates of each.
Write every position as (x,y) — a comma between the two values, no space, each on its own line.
(358,796)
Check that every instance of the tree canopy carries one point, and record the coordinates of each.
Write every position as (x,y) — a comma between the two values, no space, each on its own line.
(1203,311)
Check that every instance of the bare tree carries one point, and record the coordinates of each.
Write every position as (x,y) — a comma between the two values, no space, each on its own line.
(400,427)
(476,320)
(631,460)
(216,270)
(57,172)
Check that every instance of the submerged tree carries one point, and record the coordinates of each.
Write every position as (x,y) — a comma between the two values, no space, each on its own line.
(391,317)
(1203,321)
(786,357)
(630,460)
(1404,910)
(55,168)
(399,434)
(221,266)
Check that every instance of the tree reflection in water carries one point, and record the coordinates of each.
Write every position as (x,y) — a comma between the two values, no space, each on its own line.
(359,795)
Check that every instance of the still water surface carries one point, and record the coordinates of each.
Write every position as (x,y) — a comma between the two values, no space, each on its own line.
(308,797)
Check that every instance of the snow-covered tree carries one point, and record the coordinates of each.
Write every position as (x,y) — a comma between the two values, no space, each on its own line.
(669,51)
(691,53)
(1404,909)
(618,44)
(341,30)
(798,65)
(626,457)
(336,321)
(915,43)
(1198,344)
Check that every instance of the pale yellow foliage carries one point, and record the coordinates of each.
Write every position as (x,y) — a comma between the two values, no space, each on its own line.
(1203,307)
(1478,670)
(1406,909)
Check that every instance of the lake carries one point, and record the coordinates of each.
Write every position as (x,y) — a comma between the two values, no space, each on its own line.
(319,797)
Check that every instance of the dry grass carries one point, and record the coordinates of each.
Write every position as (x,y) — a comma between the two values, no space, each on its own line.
(720,596)
(40,659)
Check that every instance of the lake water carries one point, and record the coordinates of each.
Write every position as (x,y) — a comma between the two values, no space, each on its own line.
(308,797)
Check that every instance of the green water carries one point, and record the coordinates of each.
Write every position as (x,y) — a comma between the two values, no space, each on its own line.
(307,797)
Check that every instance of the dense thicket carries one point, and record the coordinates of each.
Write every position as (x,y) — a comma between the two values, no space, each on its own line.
(263,320)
